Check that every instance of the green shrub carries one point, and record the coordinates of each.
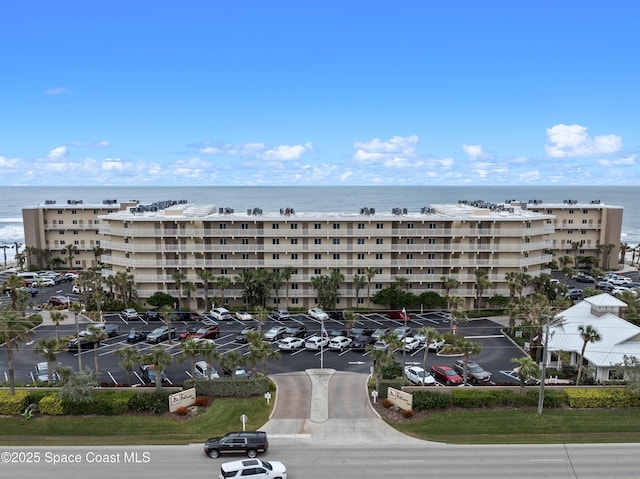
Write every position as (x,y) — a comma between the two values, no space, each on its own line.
(157,402)
(13,405)
(426,400)
(552,399)
(51,405)
(479,398)
(227,387)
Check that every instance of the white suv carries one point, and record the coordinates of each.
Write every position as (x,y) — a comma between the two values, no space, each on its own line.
(254,468)
(220,314)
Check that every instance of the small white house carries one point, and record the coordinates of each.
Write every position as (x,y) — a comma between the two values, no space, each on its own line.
(619,337)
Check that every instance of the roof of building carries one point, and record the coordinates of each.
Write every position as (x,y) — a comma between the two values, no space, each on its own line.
(619,337)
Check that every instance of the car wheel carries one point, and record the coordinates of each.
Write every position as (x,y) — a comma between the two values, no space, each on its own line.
(214,453)
(252,453)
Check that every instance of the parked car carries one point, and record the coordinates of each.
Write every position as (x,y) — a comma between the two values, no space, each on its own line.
(299,331)
(44,282)
(244,315)
(378,333)
(207,332)
(381,345)
(436,345)
(623,289)
(337,315)
(253,468)
(316,342)
(334,333)
(402,332)
(417,375)
(83,342)
(396,315)
(201,368)
(42,373)
(583,278)
(475,373)
(240,373)
(243,336)
(340,343)
(186,333)
(619,280)
(151,316)
(249,443)
(77,289)
(290,343)
(361,342)
(149,375)
(605,286)
(279,314)
(318,313)
(189,316)
(58,300)
(221,314)
(129,314)
(574,294)
(275,334)
(161,334)
(137,336)
(446,375)
(355,332)
(411,344)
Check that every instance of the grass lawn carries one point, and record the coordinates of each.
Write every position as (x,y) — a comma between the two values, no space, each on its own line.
(222,416)
(523,426)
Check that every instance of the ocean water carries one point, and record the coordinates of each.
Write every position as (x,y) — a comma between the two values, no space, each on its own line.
(319,198)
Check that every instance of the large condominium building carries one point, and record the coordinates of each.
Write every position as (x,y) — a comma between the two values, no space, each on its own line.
(50,229)
(440,241)
(153,242)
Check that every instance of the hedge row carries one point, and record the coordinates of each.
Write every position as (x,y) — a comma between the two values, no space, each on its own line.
(227,387)
(601,398)
(12,405)
(484,398)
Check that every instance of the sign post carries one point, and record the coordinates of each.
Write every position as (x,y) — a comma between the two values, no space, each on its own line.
(244,419)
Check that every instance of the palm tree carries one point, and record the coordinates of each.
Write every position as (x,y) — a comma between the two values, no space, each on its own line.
(575,246)
(160,359)
(350,319)
(482,284)
(223,283)
(260,314)
(359,282)
(97,334)
(178,278)
(276,283)
(465,347)
(624,248)
(448,284)
(13,328)
(189,288)
(527,369)
(167,314)
(206,277)
(259,352)
(13,282)
(286,277)
(246,279)
(129,358)
(370,274)
(190,349)
(57,317)
(231,361)
(430,335)
(608,248)
(71,250)
(48,349)
(97,252)
(588,334)
(210,353)
(381,359)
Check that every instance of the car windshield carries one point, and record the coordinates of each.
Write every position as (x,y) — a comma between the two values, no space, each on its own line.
(267,465)
(476,369)
(158,330)
(450,372)
(202,331)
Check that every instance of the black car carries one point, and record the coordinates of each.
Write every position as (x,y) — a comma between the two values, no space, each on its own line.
(148,374)
(574,294)
(86,342)
(137,336)
(337,315)
(355,332)
(245,442)
(361,342)
(584,278)
(151,316)
(296,331)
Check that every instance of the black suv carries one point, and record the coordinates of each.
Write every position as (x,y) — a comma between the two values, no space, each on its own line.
(249,443)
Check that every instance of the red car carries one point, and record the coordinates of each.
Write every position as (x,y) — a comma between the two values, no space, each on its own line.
(58,300)
(446,375)
(207,332)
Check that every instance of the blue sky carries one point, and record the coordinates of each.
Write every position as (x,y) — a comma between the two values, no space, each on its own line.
(319,92)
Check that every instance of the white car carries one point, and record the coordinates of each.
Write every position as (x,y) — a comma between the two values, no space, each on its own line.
(253,468)
(244,315)
(44,282)
(436,345)
(619,280)
(76,289)
(318,313)
(411,344)
(316,343)
(291,344)
(417,375)
(220,314)
(340,343)
(622,289)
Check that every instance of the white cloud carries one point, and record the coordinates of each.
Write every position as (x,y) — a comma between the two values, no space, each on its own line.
(114,164)
(571,141)
(9,162)
(344,176)
(529,176)
(259,150)
(473,151)
(287,152)
(377,150)
(57,153)
(626,161)
(89,144)
(446,162)
(60,90)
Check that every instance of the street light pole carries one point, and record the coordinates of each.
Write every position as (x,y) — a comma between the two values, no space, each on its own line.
(5,248)
(78,344)
(404,344)
(321,343)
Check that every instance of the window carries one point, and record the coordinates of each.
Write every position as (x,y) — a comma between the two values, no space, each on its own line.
(223,240)
(62,242)
(379,256)
(571,212)
(317,241)
(244,226)
(317,256)
(409,255)
(317,226)
(410,226)
(378,286)
(275,241)
(244,240)
(431,241)
(432,226)
(224,271)
(570,222)
(431,256)
(360,270)
(360,300)
(360,226)
(409,240)
(59,212)
(336,226)
(616,375)
(74,222)
(294,255)
(61,222)
(336,240)
(317,271)
(245,255)
(585,212)
(431,271)
(294,286)
(75,232)
(61,232)
(276,256)
(294,226)
(336,255)
(275,226)
(294,240)
(74,212)
(379,226)
(549,212)
(295,301)
(360,255)
(223,226)
(223,256)
(379,240)
(360,240)
(408,271)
